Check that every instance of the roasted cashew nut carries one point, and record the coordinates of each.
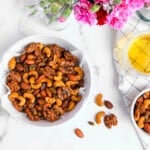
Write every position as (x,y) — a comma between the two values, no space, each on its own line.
(13,96)
(29,97)
(72,91)
(77,77)
(58,83)
(76,98)
(47,51)
(16,97)
(71,106)
(36,86)
(31,74)
(50,100)
(48,82)
(58,77)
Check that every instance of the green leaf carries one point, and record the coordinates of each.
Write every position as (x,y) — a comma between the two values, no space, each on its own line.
(33,13)
(67,13)
(95,8)
(117,1)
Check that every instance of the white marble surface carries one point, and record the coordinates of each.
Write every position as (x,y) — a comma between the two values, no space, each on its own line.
(97,43)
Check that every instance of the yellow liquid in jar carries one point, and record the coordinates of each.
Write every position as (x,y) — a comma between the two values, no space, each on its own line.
(139,54)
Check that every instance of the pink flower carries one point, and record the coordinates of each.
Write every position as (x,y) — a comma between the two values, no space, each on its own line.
(135,4)
(61,19)
(118,16)
(121,13)
(101,1)
(84,3)
(84,15)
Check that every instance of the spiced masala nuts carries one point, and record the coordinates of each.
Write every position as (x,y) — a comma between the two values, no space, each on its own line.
(44,81)
(141,111)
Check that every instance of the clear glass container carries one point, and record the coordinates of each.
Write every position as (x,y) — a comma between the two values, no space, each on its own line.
(54,14)
(144,13)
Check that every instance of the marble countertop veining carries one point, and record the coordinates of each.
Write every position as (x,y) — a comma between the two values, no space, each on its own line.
(97,43)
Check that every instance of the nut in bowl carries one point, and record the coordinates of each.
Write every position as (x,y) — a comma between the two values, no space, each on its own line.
(46,80)
(140,112)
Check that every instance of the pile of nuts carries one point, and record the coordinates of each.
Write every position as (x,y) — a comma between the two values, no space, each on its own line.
(110,119)
(142,112)
(44,81)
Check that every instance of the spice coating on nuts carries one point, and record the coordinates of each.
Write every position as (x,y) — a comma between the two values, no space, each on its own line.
(44,81)
(142,111)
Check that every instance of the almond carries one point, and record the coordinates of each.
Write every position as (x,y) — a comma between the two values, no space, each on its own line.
(79,133)
(108,104)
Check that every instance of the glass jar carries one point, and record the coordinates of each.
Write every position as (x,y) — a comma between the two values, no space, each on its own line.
(54,14)
(144,13)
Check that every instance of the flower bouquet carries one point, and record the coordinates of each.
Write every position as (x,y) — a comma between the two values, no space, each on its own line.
(114,13)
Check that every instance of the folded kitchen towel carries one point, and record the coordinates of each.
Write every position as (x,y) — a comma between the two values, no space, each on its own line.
(130,83)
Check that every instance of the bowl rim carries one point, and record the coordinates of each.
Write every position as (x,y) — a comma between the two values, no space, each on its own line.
(132,112)
(23,42)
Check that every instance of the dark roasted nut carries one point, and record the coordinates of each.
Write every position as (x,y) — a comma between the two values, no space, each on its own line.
(147,127)
(110,120)
(91,123)
(108,104)
(19,67)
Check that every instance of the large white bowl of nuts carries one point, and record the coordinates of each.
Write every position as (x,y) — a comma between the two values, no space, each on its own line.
(45,80)
(140,112)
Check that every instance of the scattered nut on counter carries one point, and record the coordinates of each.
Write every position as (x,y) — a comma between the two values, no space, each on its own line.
(108,104)
(79,133)
(109,120)
(98,99)
(91,123)
(98,117)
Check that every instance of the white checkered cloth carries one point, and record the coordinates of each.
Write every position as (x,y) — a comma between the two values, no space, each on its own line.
(130,84)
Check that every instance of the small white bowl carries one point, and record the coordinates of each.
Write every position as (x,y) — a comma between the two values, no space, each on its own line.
(15,50)
(141,131)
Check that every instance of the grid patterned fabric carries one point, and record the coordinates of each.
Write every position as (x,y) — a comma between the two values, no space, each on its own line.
(131,82)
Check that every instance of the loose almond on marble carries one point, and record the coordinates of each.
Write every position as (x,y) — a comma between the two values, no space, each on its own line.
(79,133)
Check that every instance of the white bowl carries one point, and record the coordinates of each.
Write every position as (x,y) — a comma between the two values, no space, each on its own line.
(141,131)
(15,50)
